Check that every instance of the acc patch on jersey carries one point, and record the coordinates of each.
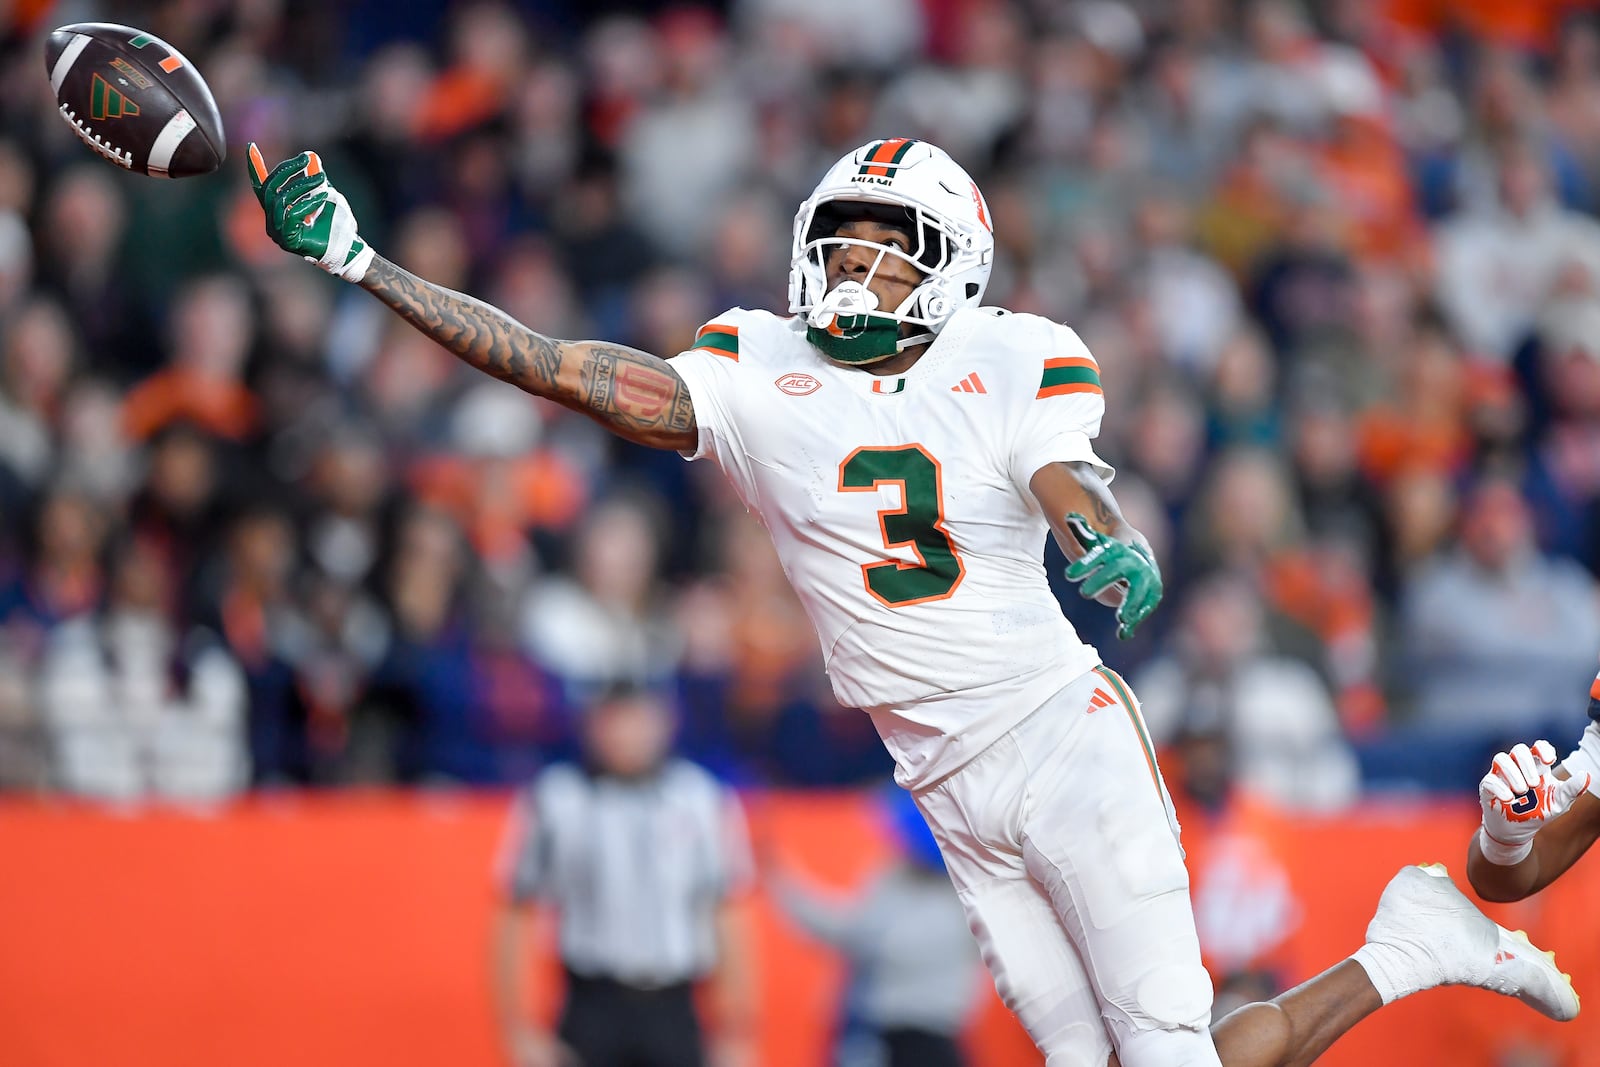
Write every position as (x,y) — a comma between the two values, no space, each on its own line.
(797,383)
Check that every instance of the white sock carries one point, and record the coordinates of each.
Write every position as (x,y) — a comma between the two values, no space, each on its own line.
(1392,973)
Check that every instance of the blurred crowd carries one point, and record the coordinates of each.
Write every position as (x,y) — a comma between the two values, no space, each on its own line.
(1340,268)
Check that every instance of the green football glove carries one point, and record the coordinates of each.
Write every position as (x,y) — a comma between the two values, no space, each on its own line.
(306,215)
(1107,561)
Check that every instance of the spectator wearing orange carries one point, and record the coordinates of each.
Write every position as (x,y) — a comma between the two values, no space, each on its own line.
(1423,422)
(213,328)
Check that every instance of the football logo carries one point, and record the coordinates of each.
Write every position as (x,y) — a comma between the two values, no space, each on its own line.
(797,384)
(130,73)
(107,103)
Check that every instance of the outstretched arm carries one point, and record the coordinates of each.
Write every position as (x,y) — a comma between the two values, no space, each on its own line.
(1557,847)
(1538,819)
(632,393)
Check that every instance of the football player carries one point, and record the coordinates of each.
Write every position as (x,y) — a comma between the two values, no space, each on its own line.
(1538,816)
(907,449)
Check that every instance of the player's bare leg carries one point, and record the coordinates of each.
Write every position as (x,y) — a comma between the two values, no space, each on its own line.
(1425,934)
(1298,1026)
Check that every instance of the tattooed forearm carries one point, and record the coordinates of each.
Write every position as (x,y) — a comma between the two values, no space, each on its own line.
(1064,489)
(632,393)
(482,335)
(1100,507)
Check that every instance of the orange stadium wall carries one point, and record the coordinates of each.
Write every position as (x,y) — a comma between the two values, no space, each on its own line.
(347,930)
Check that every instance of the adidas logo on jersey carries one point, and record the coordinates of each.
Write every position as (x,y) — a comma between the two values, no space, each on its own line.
(970,384)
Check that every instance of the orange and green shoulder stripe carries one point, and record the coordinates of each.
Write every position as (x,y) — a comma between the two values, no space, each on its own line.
(720,339)
(1069,374)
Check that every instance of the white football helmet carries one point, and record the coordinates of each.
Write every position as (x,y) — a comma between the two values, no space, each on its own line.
(913,184)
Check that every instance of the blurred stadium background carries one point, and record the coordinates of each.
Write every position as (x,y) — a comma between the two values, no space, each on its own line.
(289,601)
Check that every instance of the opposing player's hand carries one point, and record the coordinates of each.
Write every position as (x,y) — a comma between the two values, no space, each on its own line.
(1519,795)
(1107,561)
(306,215)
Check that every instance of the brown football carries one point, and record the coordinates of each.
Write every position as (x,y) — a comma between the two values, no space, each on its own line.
(135,99)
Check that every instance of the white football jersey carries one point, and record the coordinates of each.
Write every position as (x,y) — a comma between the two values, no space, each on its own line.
(900,509)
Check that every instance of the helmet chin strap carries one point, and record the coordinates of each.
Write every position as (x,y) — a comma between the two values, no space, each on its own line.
(843,326)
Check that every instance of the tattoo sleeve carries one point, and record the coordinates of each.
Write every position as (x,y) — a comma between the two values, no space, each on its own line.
(634,394)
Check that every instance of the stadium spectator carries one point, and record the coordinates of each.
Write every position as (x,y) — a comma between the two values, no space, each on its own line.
(606,624)
(1195,304)
(253,614)
(914,966)
(78,245)
(1498,262)
(1245,516)
(698,102)
(1419,515)
(385,138)
(181,507)
(213,327)
(1278,718)
(1573,100)
(62,578)
(1560,369)
(36,361)
(347,486)
(136,708)
(1495,632)
(1244,394)
(418,688)
(603,249)
(24,761)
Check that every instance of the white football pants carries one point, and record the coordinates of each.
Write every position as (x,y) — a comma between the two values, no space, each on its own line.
(1062,842)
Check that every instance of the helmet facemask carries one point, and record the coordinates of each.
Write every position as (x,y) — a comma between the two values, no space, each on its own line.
(847,322)
(952,259)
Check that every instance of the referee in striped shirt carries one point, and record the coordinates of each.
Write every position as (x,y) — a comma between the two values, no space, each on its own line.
(640,857)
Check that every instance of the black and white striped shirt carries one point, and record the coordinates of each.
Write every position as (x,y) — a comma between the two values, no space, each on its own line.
(635,869)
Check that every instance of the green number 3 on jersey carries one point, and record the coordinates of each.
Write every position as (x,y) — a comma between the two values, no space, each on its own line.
(918,523)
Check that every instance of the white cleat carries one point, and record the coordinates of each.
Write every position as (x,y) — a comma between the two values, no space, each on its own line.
(1424,916)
